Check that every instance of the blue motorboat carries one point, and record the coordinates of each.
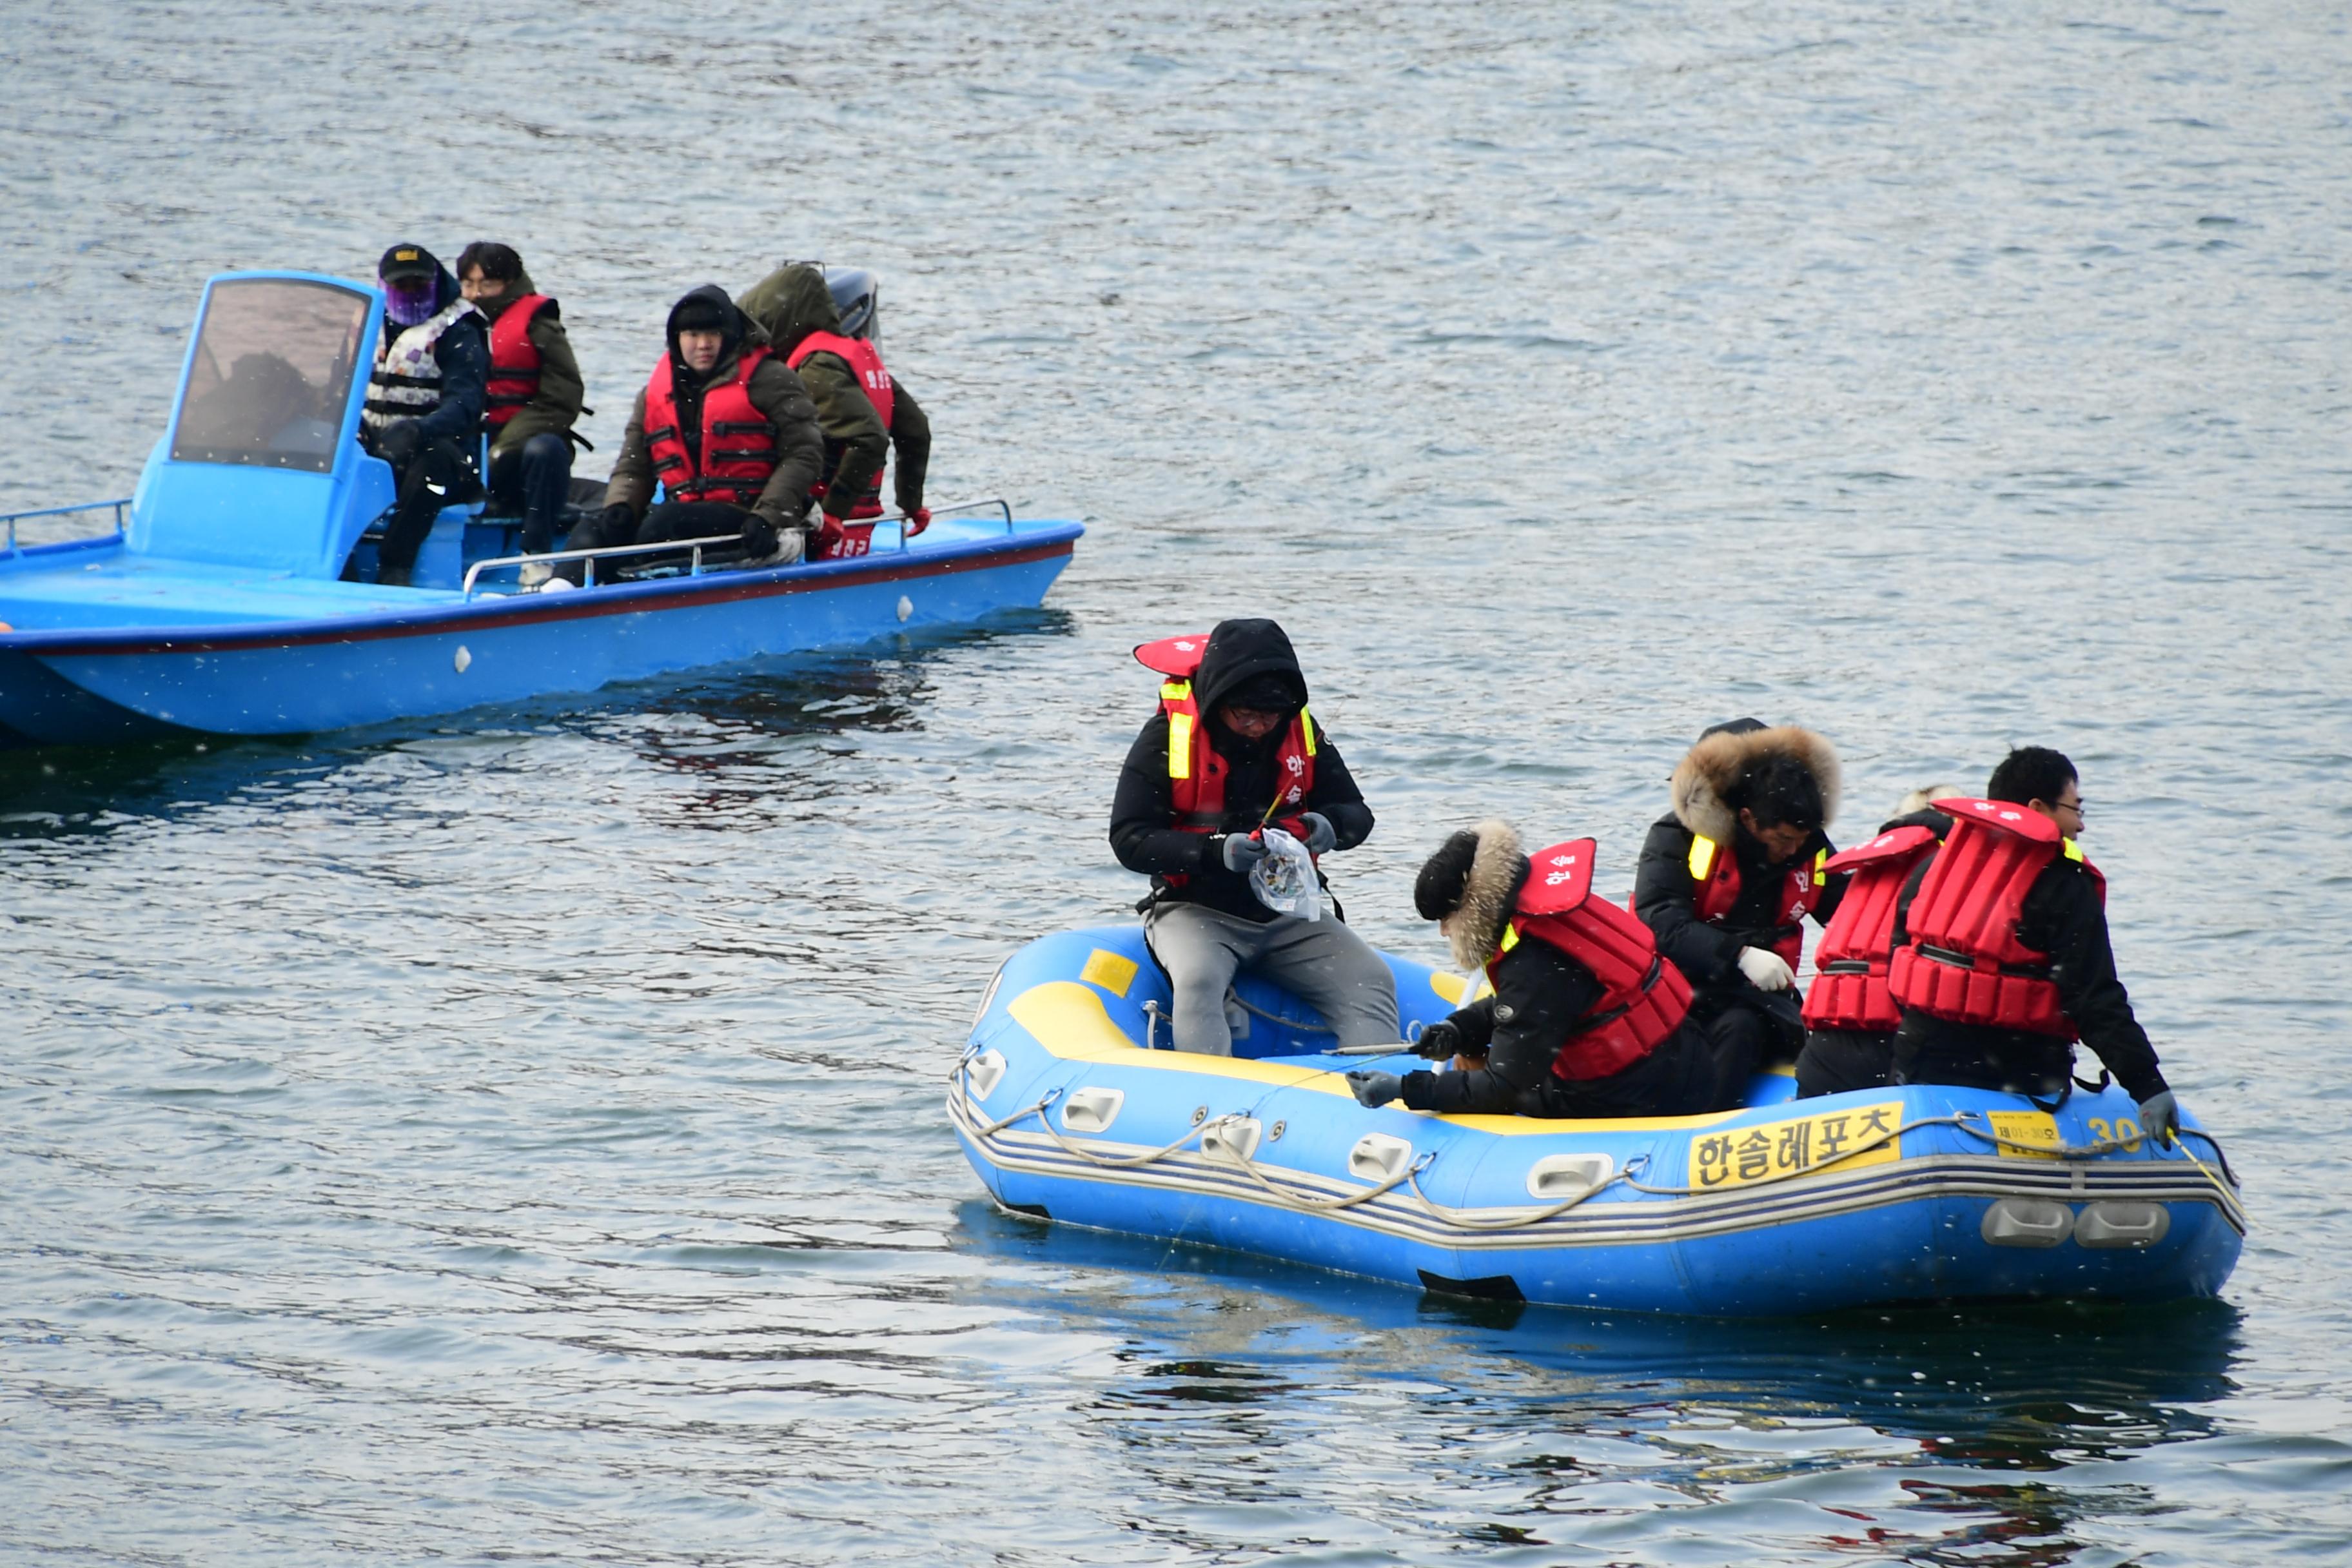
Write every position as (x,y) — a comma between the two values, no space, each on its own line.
(218,603)
(1069,1110)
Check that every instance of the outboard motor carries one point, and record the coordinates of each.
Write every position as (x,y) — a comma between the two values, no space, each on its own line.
(857,296)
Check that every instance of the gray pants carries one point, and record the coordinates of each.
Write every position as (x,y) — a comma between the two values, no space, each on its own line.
(1321,963)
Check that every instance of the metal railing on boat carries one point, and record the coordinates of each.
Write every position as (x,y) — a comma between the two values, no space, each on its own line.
(12,519)
(695,546)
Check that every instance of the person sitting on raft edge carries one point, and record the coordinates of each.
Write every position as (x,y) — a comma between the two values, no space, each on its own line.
(729,433)
(1231,749)
(2010,899)
(1727,876)
(1586,1019)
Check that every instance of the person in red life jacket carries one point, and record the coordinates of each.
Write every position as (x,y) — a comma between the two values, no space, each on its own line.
(728,431)
(423,401)
(2001,959)
(1586,1018)
(1234,747)
(1849,1016)
(866,412)
(533,398)
(1727,878)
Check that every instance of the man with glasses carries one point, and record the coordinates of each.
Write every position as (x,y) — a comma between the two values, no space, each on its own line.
(2002,960)
(1232,751)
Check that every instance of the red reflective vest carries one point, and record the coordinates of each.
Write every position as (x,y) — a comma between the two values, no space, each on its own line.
(865,363)
(1196,773)
(1849,992)
(1644,998)
(514,360)
(738,444)
(1962,959)
(1716,873)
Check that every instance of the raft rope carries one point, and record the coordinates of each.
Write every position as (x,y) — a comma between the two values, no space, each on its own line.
(1411,1175)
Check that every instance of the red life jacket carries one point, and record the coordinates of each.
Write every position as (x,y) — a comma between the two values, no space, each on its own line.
(514,360)
(1196,773)
(1963,960)
(1643,998)
(1849,992)
(738,444)
(866,364)
(1717,872)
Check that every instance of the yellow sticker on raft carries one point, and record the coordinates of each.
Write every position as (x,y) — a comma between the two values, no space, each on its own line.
(2036,1129)
(1743,1156)
(1109,970)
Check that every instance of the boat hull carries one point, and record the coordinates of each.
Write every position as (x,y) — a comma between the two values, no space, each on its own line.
(1737,1213)
(329,673)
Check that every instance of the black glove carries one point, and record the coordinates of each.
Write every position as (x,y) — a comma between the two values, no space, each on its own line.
(1375,1088)
(1440,1041)
(759,537)
(617,523)
(1321,838)
(1240,851)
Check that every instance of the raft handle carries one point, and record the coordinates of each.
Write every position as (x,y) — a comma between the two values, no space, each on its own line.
(1377,1157)
(1092,1109)
(1567,1175)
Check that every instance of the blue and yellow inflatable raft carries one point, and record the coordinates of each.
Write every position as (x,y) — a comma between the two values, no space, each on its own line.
(1071,1109)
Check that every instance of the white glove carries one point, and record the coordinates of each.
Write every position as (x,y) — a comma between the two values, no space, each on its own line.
(1765,970)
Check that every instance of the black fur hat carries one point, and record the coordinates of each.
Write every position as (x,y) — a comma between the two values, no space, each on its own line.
(1437,891)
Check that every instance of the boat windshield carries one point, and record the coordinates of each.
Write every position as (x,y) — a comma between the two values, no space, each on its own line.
(272,376)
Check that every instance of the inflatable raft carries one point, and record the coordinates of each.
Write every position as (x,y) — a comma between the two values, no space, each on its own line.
(1071,1108)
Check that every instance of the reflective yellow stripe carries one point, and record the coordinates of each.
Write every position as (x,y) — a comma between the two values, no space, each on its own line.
(1510,940)
(1821,867)
(2074,850)
(1306,727)
(1175,690)
(1702,856)
(1179,745)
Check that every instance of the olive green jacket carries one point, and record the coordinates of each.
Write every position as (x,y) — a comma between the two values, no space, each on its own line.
(789,304)
(562,395)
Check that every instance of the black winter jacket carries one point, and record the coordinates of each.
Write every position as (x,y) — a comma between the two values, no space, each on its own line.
(1142,834)
(1708,953)
(2064,917)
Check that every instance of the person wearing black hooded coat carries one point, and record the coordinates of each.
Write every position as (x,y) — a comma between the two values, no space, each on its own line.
(1509,1047)
(1203,923)
(774,527)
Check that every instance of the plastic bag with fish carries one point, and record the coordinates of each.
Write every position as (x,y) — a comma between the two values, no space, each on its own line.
(1285,881)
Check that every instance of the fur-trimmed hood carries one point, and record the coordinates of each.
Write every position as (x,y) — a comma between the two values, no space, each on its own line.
(1497,873)
(1707,781)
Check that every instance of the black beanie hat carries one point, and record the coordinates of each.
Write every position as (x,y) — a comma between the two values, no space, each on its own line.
(1272,692)
(1437,891)
(698,315)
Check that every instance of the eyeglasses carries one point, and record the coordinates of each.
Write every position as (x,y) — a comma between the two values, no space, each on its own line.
(2078,806)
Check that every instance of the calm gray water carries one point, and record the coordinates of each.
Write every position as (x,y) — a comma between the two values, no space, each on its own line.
(517,1138)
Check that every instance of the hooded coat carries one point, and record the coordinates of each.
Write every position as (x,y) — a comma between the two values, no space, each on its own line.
(774,391)
(1143,834)
(556,406)
(789,304)
(463,352)
(1704,795)
(1541,996)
